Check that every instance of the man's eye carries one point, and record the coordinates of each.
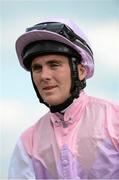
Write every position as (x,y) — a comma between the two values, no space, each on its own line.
(36,68)
(54,65)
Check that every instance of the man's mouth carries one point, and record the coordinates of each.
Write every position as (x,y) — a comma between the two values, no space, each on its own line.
(47,88)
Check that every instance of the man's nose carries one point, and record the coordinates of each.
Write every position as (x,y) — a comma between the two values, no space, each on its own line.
(45,73)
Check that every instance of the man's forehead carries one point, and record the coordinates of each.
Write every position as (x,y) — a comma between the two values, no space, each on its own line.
(49,58)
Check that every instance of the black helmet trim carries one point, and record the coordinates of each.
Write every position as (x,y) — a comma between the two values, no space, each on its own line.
(46,47)
(77,85)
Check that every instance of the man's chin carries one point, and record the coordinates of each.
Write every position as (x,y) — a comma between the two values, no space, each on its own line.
(52,102)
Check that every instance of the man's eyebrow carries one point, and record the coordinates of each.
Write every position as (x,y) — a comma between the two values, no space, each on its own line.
(48,62)
(35,64)
(54,61)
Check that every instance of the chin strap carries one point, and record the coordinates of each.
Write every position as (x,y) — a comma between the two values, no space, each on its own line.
(76,87)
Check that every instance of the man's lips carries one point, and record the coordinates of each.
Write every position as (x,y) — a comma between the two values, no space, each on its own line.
(49,87)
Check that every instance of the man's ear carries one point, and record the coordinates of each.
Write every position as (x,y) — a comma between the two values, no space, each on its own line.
(81,71)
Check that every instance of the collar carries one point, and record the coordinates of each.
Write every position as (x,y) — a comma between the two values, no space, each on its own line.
(72,113)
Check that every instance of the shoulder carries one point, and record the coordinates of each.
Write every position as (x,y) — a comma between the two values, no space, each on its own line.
(28,135)
(103,103)
(110,111)
(40,122)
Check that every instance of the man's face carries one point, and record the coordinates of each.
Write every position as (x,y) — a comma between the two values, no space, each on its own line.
(52,77)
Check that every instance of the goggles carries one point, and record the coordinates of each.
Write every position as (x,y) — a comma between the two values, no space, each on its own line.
(64,31)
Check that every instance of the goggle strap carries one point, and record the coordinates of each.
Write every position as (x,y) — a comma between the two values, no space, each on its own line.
(65,31)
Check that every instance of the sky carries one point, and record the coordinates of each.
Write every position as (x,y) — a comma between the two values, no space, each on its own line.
(20,108)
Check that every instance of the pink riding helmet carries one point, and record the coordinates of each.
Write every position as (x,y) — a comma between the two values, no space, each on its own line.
(80,44)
